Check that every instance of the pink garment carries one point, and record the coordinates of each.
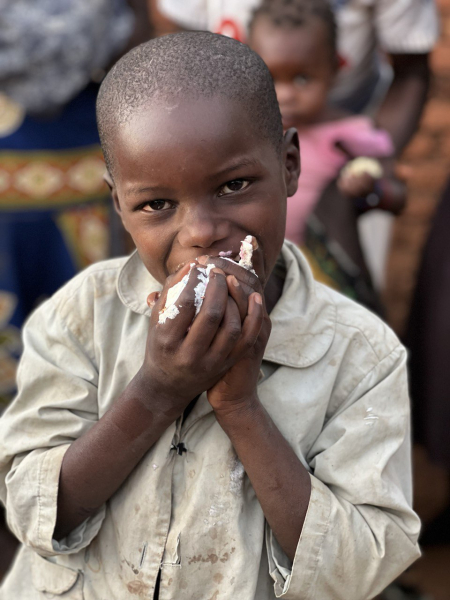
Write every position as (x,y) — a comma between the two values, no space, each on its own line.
(322,161)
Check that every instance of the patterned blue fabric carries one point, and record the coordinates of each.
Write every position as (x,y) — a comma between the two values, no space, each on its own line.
(49,52)
(30,269)
(36,258)
(73,126)
(49,49)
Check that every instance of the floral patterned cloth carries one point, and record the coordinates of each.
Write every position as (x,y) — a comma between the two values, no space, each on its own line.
(10,347)
(50,49)
(54,209)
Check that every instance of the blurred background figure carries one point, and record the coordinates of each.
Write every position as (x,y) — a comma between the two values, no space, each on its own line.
(428,338)
(383,48)
(55,215)
(297,41)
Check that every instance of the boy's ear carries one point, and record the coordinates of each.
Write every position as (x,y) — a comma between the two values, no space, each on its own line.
(112,188)
(291,160)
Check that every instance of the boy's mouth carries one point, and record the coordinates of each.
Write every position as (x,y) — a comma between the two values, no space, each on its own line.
(170,310)
(243,257)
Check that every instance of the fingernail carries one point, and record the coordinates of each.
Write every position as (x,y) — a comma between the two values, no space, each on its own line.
(202,260)
(234,281)
(152,299)
(218,271)
(258,299)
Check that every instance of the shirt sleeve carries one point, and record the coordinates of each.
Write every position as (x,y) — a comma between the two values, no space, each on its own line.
(56,404)
(406,26)
(360,531)
(190,14)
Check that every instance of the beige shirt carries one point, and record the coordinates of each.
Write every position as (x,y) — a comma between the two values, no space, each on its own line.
(339,396)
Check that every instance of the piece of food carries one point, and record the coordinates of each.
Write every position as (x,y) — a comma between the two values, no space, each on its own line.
(361,165)
(171,310)
(200,289)
(246,252)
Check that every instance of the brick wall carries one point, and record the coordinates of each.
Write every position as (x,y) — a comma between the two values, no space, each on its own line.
(429,155)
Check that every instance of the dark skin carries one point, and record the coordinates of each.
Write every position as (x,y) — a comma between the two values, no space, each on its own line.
(191,180)
(401,110)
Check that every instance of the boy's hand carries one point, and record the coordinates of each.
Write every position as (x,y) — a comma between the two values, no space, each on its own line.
(390,187)
(237,387)
(186,356)
(356,186)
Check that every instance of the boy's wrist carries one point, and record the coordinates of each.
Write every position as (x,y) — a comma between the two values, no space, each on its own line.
(156,400)
(233,415)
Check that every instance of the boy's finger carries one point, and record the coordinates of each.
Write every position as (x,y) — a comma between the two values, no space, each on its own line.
(251,326)
(153,298)
(208,320)
(170,282)
(248,280)
(238,294)
(229,332)
(177,317)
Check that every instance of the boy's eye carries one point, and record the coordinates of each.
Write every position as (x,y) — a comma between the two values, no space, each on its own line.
(237,185)
(300,80)
(154,205)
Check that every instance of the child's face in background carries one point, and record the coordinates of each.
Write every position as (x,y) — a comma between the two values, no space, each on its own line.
(300,62)
(195,178)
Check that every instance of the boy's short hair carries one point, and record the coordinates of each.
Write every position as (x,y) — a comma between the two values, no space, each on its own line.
(298,13)
(188,65)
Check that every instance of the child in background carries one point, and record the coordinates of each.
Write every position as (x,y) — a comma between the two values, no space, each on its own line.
(224,455)
(297,41)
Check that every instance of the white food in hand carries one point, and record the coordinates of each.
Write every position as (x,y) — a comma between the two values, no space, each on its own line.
(246,252)
(361,165)
(170,310)
(200,289)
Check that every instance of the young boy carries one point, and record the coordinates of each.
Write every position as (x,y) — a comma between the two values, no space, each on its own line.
(209,457)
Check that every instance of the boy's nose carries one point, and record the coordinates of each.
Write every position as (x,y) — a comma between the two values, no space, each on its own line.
(202,230)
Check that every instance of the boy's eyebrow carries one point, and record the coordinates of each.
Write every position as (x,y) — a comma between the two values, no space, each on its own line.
(148,188)
(245,162)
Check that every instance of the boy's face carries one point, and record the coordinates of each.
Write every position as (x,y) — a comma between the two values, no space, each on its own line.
(195,178)
(300,62)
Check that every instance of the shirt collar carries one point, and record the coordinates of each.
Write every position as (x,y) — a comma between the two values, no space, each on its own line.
(135,283)
(303,320)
